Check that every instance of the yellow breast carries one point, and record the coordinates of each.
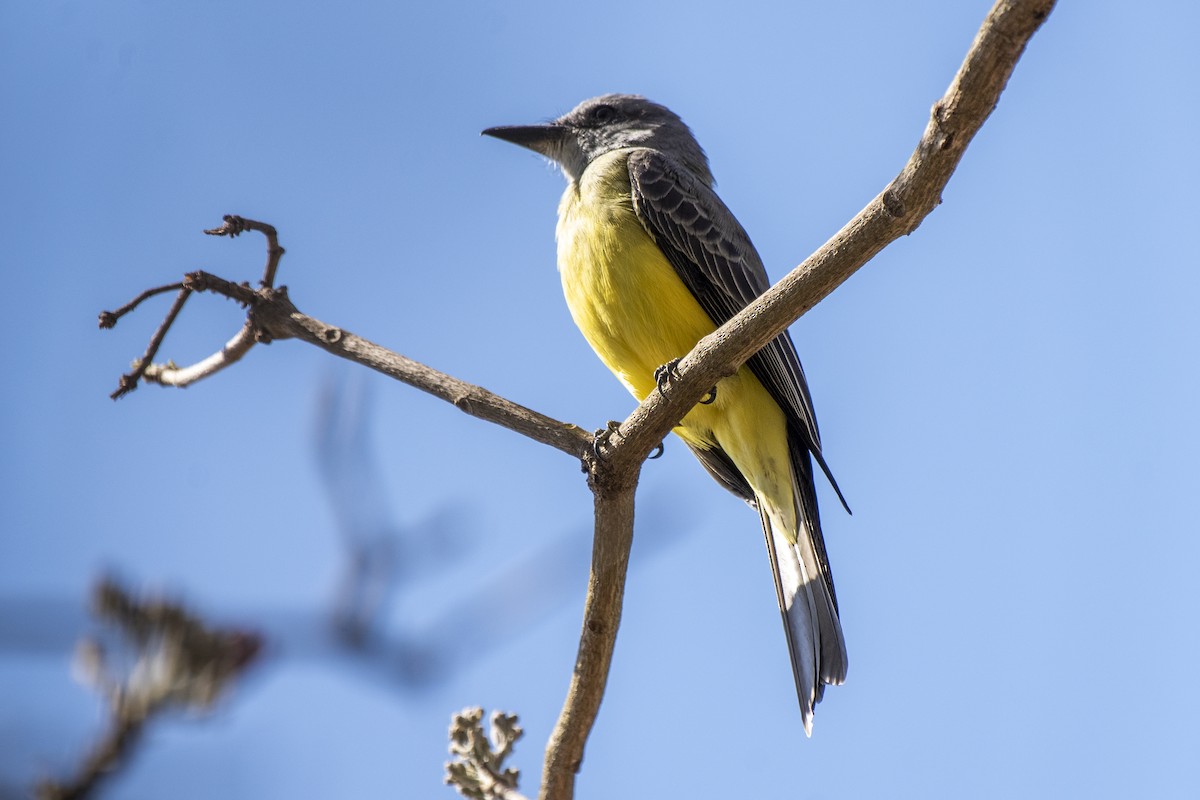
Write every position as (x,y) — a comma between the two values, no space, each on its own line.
(637,315)
(622,292)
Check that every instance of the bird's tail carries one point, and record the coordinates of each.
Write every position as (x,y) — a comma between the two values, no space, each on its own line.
(810,616)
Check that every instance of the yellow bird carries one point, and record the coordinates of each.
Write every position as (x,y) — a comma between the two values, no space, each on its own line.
(651,261)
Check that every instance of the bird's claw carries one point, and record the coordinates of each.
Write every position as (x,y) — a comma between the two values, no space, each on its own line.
(669,372)
(601,436)
(666,373)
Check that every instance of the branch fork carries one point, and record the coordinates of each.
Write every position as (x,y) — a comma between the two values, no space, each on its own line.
(613,469)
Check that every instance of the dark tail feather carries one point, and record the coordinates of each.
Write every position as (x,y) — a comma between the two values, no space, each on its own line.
(829,476)
(810,618)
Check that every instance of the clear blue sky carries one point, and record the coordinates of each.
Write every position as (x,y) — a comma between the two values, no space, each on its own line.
(1008,397)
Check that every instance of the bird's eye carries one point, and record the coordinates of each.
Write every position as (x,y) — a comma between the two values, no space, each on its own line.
(602,114)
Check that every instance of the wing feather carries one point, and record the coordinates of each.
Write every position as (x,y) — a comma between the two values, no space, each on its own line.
(713,256)
(716,260)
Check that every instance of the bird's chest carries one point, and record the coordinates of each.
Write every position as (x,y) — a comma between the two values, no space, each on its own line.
(623,294)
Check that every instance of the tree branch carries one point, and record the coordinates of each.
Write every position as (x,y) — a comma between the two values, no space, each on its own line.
(898,210)
(611,545)
(895,212)
(273,316)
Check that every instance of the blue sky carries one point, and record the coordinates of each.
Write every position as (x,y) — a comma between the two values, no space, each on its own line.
(1008,396)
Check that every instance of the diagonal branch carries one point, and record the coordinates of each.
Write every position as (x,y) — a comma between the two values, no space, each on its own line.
(273,316)
(898,210)
(280,319)
(895,212)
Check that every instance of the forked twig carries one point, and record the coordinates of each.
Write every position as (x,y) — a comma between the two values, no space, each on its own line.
(271,316)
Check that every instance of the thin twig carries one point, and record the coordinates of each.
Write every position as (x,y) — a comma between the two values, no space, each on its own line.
(171,375)
(108,319)
(273,316)
(129,380)
(235,225)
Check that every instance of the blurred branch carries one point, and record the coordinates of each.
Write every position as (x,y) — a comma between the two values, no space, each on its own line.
(385,558)
(180,663)
(477,771)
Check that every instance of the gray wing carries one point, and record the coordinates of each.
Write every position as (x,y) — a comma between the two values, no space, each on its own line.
(715,259)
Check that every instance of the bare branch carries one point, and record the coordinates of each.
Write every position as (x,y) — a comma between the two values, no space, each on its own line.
(280,319)
(895,212)
(171,375)
(235,225)
(601,617)
(108,319)
(129,380)
(273,316)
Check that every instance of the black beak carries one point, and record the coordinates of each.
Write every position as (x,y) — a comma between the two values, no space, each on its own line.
(545,139)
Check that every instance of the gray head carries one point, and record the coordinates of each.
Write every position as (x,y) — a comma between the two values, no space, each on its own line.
(606,123)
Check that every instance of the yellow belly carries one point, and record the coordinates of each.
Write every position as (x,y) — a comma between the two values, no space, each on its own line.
(637,315)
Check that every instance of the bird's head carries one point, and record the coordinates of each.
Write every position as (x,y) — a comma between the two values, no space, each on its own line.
(604,124)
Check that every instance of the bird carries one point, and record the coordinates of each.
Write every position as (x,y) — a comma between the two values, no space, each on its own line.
(651,260)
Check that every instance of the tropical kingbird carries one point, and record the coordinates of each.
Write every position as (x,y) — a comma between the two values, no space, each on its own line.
(651,261)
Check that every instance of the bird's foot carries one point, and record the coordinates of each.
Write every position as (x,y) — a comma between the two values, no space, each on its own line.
(602,436)
(666,373)
(669,372)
